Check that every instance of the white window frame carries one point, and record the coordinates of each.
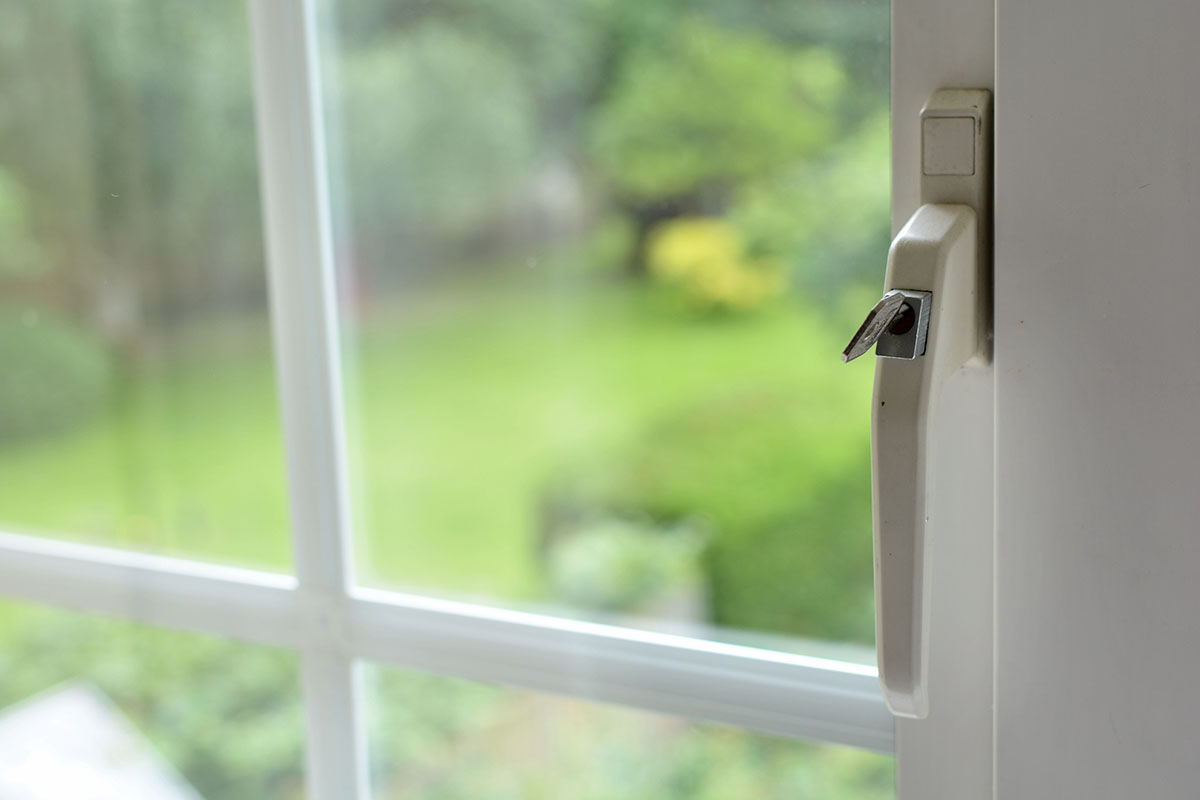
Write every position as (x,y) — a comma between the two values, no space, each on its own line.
(320,613)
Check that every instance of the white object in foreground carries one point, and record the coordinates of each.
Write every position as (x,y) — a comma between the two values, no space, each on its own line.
(72,742)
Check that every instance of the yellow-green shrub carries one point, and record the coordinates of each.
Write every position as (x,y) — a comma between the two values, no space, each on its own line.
(706,259)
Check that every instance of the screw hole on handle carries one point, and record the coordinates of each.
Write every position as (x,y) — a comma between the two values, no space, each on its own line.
(904,321)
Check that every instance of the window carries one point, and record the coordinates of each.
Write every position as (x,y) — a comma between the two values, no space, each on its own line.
(505,358)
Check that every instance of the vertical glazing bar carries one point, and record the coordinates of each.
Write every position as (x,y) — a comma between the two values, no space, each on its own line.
(294,181)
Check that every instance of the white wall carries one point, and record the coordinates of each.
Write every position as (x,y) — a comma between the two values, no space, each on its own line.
(1098,399)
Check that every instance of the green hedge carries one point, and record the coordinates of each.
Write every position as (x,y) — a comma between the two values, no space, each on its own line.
(54,376)
(783,494)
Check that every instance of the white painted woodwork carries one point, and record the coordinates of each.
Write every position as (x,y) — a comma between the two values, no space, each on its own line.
(760,690)
(300,268)
(1098,386)
(948,756)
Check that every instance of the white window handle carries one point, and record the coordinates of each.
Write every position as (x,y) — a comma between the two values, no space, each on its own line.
(936,253)
(931,322)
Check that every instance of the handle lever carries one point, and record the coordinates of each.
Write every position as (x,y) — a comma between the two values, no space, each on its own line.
(937,250)
(937,270)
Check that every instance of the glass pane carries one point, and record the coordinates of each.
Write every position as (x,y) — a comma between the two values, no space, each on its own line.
(598,261)
(137,401)
(436,737)
(94,708)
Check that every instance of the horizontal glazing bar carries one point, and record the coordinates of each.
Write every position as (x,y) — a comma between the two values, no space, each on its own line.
(770,692)
(765,691)
(172,592)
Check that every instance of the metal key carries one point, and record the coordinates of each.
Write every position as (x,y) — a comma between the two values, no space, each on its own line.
(878,320)
(902,316)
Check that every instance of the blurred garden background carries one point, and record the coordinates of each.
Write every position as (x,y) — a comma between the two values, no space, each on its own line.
(596,261)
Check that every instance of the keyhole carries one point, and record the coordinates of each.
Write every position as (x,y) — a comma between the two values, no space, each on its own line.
(904,321)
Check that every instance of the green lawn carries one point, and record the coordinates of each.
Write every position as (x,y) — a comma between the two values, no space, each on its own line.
(188,459)
(465,402)
(468,404)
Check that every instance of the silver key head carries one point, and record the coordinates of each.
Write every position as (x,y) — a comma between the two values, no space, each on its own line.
(878,320)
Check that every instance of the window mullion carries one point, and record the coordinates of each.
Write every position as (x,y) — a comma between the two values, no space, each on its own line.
(304,324)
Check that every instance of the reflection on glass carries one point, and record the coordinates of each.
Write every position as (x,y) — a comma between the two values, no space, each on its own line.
(596,265)
(137,400)
(435,737)
(94,708)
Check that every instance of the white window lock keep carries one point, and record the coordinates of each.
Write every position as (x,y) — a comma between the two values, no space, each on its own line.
(934,319)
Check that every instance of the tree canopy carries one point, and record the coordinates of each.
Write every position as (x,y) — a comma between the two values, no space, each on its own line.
(711,107)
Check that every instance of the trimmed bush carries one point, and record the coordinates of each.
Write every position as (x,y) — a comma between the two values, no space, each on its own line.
(54,377)
(620,565)
(784,494)
(705,259)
